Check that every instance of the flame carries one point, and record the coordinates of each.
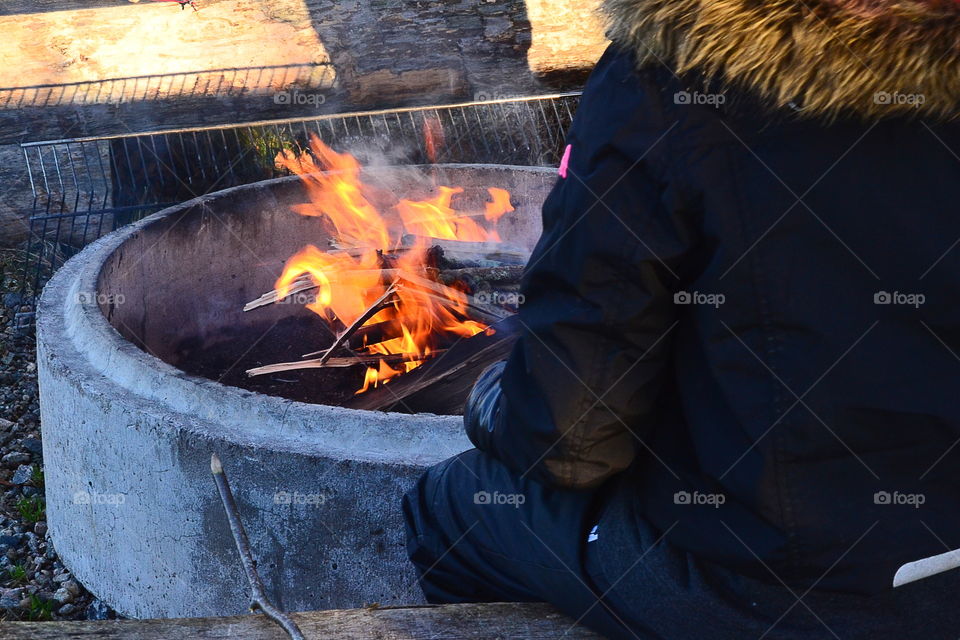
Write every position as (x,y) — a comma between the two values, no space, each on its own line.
(499,206)
(337,194)
(437,219)
(495,209)
(339,279)
(422,313)
(433,138)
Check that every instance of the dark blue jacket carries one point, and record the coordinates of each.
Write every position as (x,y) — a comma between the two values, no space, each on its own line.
(755,302)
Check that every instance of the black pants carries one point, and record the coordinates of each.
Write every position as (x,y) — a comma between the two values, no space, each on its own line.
(479,532)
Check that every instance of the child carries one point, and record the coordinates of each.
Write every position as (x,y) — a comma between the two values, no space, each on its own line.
(733,409)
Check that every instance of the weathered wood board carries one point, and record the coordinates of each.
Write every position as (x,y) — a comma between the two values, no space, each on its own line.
(84,68)
(504,621)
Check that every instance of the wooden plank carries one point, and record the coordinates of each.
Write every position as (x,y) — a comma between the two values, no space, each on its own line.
(15,7)
(447,622)
(118,77)
(152,65)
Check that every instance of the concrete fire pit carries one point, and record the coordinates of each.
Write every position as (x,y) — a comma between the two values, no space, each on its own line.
(128,434)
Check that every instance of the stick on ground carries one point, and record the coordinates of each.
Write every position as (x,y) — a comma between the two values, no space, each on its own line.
(258,595)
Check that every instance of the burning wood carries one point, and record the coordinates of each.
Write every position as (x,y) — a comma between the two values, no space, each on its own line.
(379,304)
(380,278)
(505,273)
(503,277)
(300,285)
(442,384)
(332,363)
(472,254)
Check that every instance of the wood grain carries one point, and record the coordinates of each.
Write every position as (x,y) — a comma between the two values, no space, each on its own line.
(448,622)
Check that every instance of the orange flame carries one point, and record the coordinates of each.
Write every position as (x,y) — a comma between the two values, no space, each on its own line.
(422,312)
(433,138)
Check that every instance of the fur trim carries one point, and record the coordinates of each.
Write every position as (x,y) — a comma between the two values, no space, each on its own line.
(874,58)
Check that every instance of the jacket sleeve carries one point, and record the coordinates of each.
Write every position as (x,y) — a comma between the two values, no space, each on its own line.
(576,395)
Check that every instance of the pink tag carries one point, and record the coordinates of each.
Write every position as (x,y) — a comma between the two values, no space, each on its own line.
(565,161)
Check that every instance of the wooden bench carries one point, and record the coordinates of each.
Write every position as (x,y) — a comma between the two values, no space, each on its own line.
(506,621)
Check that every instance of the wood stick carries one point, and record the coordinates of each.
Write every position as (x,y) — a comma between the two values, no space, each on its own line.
(467,252)
(442,384)
(351,342)
(505,275)
(303,283)
(464,246)
(376,332)
(371,311)
(257,592)
(336,363)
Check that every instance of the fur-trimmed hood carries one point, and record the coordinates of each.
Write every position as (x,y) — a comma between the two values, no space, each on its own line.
(874,58)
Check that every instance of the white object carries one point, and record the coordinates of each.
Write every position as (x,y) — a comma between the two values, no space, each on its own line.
(920,569)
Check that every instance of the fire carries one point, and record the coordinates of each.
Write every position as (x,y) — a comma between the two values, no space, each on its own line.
(419,313)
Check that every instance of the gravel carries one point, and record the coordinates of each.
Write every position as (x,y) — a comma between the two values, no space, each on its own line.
(63,596)
(34,583)
(14,459)
(33,446)
(23,474)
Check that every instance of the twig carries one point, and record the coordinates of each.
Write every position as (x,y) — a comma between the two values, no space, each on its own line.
(258,596)
(368,333)
(304,283)
(347,361)
(371,311)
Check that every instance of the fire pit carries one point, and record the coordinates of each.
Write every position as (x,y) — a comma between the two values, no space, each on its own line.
(143,345)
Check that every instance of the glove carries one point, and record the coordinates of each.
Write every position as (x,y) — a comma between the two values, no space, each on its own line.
(481,414)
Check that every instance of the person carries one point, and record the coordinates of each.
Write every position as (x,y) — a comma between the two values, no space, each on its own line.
(732,410)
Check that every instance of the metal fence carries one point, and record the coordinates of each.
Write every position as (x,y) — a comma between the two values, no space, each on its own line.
(84,188)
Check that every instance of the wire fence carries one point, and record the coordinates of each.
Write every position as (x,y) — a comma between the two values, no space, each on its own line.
(84,188)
